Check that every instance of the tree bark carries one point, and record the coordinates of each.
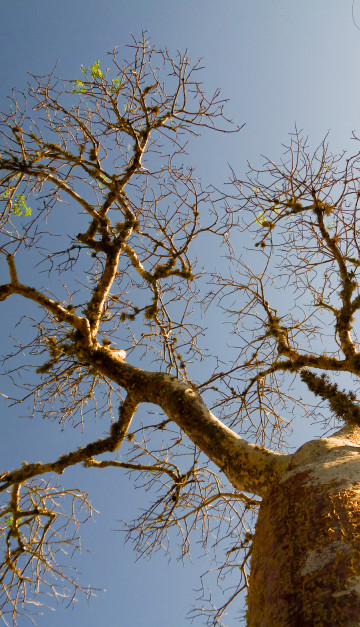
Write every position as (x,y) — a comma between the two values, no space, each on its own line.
(305,567)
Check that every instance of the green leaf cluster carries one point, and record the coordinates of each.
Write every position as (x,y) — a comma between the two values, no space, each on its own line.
(10,519)
(115,87)
(78,88)
(260,219)
(93,69)
(94,72)
(18,204)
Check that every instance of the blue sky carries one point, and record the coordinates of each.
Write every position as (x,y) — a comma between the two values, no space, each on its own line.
(279,63)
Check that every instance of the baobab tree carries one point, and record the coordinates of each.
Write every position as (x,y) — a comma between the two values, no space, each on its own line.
(101,158)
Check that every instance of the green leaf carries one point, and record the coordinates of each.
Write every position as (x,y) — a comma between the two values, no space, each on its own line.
(116,86)
(17,205)
(10,519)
(93,69)
(260,219)
(78,88)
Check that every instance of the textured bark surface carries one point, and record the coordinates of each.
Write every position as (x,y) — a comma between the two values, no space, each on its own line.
(305,568)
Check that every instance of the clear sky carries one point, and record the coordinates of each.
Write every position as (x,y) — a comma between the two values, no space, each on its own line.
(280,63)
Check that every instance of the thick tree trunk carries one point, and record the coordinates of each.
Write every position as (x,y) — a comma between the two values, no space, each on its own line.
(305,567)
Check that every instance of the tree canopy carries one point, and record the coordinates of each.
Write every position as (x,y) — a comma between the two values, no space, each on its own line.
(111,241)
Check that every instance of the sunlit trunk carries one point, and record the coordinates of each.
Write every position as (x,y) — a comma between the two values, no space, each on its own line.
(305,568)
